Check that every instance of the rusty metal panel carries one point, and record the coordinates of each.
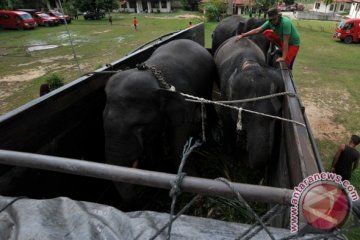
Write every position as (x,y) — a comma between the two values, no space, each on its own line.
(301,152)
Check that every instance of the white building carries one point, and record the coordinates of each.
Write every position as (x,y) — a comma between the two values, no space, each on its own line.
(355,9)
(160,6)
(337,6)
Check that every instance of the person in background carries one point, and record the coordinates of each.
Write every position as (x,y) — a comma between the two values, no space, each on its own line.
(110,19)
(190,24)
(346,158)
(135,23)
(281,32)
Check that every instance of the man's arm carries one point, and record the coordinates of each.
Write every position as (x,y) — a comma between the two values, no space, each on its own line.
(356,163)
(337,155)
(285,48)
(249,33)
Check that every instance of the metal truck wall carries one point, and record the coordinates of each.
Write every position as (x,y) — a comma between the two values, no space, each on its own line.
(298,154)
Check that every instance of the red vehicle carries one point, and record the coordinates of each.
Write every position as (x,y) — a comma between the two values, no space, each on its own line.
(60,16)
(16,20)
(348,30)
(44,19)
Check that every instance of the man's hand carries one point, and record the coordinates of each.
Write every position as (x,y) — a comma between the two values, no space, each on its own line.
(280,59)
(239,37)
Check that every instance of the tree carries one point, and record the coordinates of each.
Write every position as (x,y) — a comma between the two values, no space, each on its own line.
(15,4)
(191,5)
(214,9)
(263,5)
(96,5)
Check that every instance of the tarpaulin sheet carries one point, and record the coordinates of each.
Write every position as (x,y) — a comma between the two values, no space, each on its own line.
(63,218)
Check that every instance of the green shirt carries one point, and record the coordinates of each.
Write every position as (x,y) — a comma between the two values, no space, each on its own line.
(285,27)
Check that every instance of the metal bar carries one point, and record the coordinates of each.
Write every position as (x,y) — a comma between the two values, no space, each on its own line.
(144,177)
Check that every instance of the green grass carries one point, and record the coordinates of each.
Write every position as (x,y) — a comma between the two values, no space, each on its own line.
(96,43)
(326,71)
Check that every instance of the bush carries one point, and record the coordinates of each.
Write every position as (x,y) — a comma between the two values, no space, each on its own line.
(55,81)
(211,12)
(214,9)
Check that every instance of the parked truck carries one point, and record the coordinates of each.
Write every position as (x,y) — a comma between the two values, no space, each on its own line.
(348,30)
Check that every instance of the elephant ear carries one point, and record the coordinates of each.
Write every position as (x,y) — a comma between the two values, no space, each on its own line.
(174,106)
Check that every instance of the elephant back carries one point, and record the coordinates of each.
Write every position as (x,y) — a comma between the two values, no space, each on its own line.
(233,49)
(226,29)
(186,65)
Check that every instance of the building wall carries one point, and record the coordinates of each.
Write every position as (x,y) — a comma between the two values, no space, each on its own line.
(317,16)
(355,10)
(334,7)
(140,6)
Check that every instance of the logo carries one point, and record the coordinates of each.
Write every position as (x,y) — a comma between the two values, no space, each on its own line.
(321,201)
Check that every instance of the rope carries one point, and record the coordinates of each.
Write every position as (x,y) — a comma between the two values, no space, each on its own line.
(187,206)
(260,98)
(197,99)
(242,200)
(11,203)
(203,121)
(175,190)
(270,215)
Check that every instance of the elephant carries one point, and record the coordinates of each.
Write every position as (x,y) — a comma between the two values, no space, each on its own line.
(244,74)
(142,113)
(234,25)
(228,27)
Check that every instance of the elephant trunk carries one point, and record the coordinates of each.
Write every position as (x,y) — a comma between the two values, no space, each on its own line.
(259,144)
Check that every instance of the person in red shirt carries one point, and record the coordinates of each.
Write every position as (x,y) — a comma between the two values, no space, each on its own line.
(281,31)
(135,22)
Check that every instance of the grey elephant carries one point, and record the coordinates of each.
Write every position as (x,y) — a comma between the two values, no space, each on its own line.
(227,28)
(234,25)
(144,121)
(244,74)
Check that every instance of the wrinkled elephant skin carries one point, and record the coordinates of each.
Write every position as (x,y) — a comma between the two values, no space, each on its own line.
(144,122)
(244,74)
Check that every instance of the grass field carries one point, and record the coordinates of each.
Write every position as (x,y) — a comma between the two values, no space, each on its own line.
(326,72)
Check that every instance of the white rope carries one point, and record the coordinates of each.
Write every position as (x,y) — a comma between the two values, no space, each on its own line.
(203,121)
(259,98)
(239,123)
(203,100)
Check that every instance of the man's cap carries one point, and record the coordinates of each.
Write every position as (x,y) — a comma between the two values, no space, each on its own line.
(273,13)
(355,139)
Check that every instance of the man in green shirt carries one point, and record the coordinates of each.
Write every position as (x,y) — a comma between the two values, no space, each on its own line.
(280,31)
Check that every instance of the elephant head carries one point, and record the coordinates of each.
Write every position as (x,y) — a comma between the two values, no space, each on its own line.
(136,115)
(259,130)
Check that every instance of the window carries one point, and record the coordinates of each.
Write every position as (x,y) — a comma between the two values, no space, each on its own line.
(342,6)
(317,5)
(331,7)
(4,16)
(163,4)
(132,4)
(154,4)
(348,26)
(358,7)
